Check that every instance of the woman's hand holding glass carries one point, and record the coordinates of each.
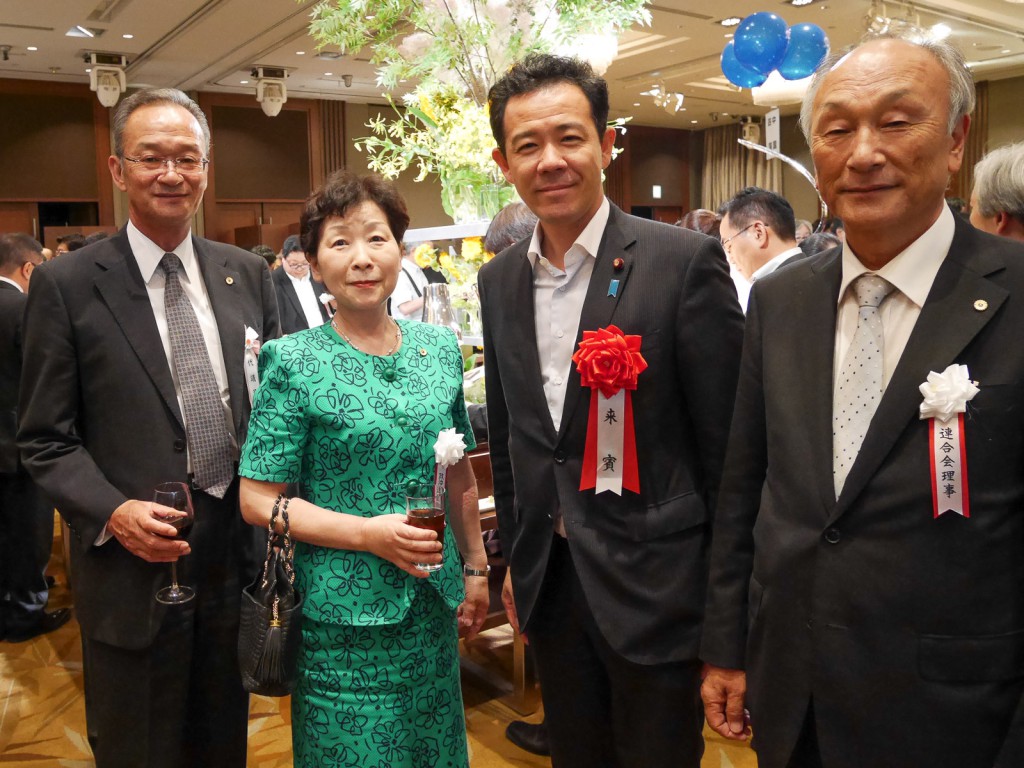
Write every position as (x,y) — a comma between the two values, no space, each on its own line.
(390,537)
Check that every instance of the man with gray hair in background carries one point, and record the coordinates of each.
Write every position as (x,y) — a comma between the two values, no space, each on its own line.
(133,377)
(866,596)
(997,202)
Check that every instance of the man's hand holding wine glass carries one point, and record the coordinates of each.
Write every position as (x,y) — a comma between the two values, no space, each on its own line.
(140,527)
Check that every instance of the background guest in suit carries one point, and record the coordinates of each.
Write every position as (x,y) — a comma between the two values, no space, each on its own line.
(26,520)
(758,232)
(133,377)
(997,202)
(298,294)
(406,303)
(609,587)
(867,619)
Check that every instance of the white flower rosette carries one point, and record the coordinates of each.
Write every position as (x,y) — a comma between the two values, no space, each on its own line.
(946,396)
(449,449)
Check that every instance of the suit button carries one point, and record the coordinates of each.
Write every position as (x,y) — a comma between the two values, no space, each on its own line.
(412,488)
(832,536)
(402,421)
(179,445)
(559,457)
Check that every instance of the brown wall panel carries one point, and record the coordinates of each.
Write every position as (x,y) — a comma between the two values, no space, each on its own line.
(47,147)
(260,157)
(659,156)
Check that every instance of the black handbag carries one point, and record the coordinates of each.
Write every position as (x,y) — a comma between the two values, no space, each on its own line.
(270,630)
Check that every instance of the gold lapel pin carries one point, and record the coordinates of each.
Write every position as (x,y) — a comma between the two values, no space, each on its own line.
(229,280)
(981,305)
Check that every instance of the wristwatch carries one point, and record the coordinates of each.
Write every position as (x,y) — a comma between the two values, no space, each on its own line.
(467,571)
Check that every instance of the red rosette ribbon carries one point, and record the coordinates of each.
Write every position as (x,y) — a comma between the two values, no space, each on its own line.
(609,363)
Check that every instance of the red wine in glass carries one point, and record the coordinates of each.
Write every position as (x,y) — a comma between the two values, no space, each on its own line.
(422,511)
(177,497)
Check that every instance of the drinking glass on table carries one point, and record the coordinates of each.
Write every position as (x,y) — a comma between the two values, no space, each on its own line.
(425,510)
(177,497)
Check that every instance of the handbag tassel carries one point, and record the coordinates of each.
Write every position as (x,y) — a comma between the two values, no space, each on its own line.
(269,666)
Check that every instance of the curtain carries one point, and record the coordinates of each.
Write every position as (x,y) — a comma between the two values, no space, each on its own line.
(729,167)
(975,148)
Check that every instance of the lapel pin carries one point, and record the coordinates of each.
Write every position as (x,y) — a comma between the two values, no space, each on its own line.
(423,352)
(618,264)
(229,280)
(613,288)
(981,305)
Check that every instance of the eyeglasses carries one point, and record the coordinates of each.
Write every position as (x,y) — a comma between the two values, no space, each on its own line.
(151,164)
(725,243)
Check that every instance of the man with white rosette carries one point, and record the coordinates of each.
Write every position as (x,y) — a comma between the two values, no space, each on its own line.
(866,602)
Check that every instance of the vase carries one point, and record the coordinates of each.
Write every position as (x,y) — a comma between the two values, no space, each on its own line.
(437,308)
(467,201)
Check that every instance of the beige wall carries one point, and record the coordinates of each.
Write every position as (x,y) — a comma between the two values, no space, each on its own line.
(422,198)
(795,188)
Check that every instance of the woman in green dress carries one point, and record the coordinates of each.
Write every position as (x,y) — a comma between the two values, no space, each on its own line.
(350,411)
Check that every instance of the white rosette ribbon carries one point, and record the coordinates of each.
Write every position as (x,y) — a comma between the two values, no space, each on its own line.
(449,449)
(326,299)
(945,401)
(251,361)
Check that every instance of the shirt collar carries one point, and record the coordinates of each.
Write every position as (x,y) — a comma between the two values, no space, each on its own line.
(148,254)
(8,280)
(303,279)
(913,270)
(774,263)
(589,239)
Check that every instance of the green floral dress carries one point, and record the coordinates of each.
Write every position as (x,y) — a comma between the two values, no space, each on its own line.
(378,674)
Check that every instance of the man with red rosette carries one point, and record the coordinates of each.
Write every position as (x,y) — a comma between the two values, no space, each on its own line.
(611,346)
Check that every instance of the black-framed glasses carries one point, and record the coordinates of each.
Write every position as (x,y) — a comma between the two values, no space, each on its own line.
(725,243)
(185,164)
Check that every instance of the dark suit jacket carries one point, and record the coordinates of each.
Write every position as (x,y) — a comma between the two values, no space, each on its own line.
(642,559)
(292,317)
(100,421)
(12,307)
(907,630)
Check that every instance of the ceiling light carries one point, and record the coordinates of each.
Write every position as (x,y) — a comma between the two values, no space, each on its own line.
(636,103)
(127,36)
(243,82)
(300,53)
(328,74)
(941,31)
(732,21)
(1005,50)
(694,122)
(79,31)
(798,3)
(31,48)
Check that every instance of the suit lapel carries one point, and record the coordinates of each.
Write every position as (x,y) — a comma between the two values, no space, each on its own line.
(601,301)
(814,366)
(947,324)
(522,339)
(223,286)
(124,292)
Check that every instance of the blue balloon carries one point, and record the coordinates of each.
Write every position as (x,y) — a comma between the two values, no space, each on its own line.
(736,73)
(761,41)
(808,45)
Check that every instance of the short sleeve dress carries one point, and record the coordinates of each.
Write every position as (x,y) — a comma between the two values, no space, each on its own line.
(378,673)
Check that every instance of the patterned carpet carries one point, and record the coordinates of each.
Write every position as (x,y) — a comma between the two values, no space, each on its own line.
(42,713)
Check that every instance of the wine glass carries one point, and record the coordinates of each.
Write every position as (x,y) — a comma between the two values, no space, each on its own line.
(177,497)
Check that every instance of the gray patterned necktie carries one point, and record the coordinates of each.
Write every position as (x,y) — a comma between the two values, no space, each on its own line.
(209,443)
(859,387)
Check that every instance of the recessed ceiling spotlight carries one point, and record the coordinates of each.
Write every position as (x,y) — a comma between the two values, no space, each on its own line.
(732,21)
(328,74)
(243,82)
(941,31)
(694,122)
(127,36)
(88,69)
(31,48)
(636,103)
(798,3)
(1005,50)
(300,53)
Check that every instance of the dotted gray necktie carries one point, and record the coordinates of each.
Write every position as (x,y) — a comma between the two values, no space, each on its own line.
(209,443)
(859,387)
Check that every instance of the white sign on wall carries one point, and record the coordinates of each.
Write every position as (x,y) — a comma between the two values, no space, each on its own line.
(771,131)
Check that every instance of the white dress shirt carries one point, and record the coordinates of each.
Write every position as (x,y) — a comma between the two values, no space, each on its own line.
(774,263)
(558,296)
(912,272)
(148,255)
(10,282)
(411,283)
(307,299)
